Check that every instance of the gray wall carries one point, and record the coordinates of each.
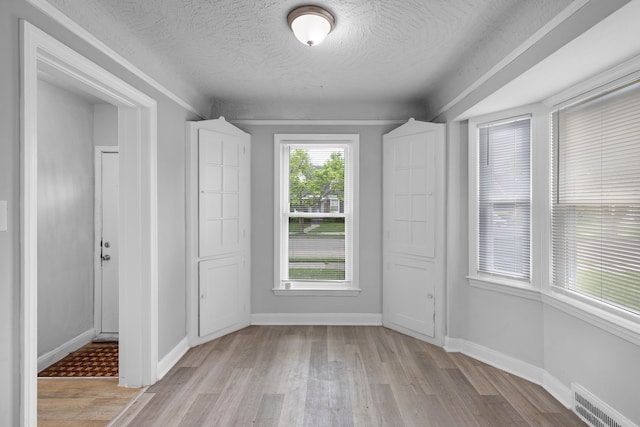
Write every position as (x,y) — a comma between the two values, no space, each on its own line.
(65,216)
(171,196)
(262,210)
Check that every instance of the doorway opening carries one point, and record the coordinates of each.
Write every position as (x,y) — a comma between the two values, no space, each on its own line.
(137,216)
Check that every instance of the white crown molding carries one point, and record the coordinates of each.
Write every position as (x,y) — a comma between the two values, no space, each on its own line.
(341,319)
(252,122)
(69,24)
(167,362)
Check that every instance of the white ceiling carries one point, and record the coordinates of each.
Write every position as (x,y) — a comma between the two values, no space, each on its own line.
(242,52)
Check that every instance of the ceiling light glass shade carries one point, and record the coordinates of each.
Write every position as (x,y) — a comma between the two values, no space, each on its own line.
(310,24)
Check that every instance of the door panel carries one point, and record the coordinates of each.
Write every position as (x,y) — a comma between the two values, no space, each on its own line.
(413,200)
(411,293)
(220,294)
(219,189)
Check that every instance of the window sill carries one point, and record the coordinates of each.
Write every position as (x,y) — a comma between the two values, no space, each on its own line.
(622,327)
(318,292)
(505,286)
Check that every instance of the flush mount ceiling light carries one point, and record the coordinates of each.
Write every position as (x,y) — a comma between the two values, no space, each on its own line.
(310,24)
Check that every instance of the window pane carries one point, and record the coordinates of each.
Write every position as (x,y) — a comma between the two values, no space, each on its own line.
(504,215)
(596,210)
(317,249)
(316,178)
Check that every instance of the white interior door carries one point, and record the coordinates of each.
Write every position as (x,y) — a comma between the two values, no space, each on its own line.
(219,245)
(413,228)
(109,273)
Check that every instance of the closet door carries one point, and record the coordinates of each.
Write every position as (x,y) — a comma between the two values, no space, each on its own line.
(413,228)
(219,220)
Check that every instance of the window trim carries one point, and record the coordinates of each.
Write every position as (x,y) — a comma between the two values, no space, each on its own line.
(588,308)
(346,288)
(540,199)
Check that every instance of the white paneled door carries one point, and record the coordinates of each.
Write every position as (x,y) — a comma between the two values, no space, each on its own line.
(413,229)
(107,286)
(220,265)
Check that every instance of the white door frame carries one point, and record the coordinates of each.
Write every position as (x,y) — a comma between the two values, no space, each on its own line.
(97,260)
(138,233)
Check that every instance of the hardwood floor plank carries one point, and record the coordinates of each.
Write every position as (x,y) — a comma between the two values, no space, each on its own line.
(474,376)
(362,405)
(269,410)
(227,406)
(317,410)
(537,396)
(199,410)
(295,377)
(387,405)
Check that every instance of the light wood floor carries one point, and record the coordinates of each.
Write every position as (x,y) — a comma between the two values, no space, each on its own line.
(338,376)
(71,402)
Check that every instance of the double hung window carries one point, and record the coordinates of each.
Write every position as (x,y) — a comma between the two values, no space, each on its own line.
(596,198)
(316,207)
(504,198)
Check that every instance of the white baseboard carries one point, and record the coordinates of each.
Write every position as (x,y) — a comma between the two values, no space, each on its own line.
(514,366)
(342,319)
(63,350)
(495,358)
(557,389)
(168,361)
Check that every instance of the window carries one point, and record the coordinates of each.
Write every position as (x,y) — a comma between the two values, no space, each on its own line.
(504,198)
(596,198)
(316,240)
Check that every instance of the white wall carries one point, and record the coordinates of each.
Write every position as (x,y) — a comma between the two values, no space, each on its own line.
(65,216)
(262,206)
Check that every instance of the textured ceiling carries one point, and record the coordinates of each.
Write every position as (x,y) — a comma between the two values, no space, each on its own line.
(242,51)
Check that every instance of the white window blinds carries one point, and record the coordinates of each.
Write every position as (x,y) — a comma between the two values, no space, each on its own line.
(504,198)
(596,198)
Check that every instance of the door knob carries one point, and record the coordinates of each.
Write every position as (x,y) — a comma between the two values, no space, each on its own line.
(106,257)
